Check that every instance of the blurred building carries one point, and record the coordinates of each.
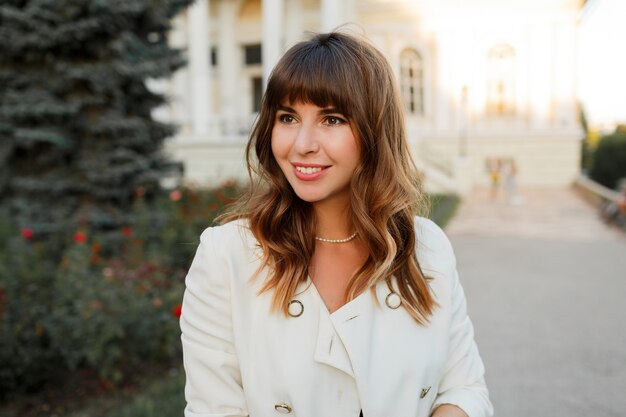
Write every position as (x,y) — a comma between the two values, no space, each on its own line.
(602,64)
(482,81)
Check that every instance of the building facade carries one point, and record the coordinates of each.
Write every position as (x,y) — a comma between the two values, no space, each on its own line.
(484,82)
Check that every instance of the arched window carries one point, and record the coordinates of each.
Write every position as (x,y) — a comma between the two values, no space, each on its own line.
(501,80)
(412,81)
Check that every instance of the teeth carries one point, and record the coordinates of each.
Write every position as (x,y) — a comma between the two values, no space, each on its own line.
(308,170)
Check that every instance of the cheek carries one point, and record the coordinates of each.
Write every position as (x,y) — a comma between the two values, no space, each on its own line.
(279,148)
(280,152)
(350,150)
(355,151)
(273,147)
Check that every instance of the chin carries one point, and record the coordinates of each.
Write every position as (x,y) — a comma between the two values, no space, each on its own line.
(309,197)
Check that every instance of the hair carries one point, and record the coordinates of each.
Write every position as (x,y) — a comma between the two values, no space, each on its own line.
(353,76)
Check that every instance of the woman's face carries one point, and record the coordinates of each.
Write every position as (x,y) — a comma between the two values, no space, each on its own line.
(317,151)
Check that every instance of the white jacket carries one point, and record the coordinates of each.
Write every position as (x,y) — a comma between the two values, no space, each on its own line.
(242,360)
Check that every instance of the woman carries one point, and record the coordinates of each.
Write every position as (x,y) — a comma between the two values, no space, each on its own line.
(323,295)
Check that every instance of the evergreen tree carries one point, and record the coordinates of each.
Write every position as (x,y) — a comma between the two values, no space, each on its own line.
(76,133)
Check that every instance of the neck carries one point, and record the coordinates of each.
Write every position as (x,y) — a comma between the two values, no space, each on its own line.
(333,221)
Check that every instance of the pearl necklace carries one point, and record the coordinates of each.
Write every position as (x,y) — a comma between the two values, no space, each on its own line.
(348,239)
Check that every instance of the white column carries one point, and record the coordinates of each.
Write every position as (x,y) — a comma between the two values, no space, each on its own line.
(179,91)
(228,62)
(446,63)
(200,67)
(294,22)
(272,47)
(564,74)
(540,75)
(333,14)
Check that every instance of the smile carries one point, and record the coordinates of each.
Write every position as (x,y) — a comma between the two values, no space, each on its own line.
(308,173)
(308,170)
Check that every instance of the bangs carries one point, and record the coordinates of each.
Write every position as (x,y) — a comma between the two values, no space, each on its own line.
(315,74)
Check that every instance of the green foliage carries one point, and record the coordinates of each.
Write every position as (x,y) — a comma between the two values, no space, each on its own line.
(77,136)
(109,303)
(25,294)
(609,160)
(443,207)
(164,398)
(586,145)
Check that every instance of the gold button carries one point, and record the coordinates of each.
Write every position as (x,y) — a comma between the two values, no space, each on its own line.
(393,300)
(283,408)
(295,308)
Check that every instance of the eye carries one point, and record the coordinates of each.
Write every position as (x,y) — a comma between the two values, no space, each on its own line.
(334,120)
(286,118)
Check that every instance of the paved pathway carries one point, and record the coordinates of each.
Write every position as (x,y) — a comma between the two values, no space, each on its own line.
(546,288)
(548,213)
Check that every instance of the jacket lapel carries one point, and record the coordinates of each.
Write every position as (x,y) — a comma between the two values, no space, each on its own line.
(330,349)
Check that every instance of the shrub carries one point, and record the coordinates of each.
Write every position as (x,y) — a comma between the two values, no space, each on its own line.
(443,207)
(609,161)
(107,301)
(26,289)
(162,399)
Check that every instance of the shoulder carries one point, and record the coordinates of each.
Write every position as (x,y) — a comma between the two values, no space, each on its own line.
(232,242)
(231,236)
(433,248)
(225,230)
(226,253)
(430,234)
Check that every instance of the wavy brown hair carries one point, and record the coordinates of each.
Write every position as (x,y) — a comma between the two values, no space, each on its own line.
(351,75)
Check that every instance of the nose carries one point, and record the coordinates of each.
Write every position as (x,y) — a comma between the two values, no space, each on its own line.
(306,140)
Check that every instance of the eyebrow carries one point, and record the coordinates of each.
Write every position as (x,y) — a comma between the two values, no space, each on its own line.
(330,110)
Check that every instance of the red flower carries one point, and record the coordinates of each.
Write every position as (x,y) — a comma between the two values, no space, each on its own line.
(96,305)
(140,191)
(127,231)
(27,233)
(176,195)
(80,237)
(39,330)
(177,311)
